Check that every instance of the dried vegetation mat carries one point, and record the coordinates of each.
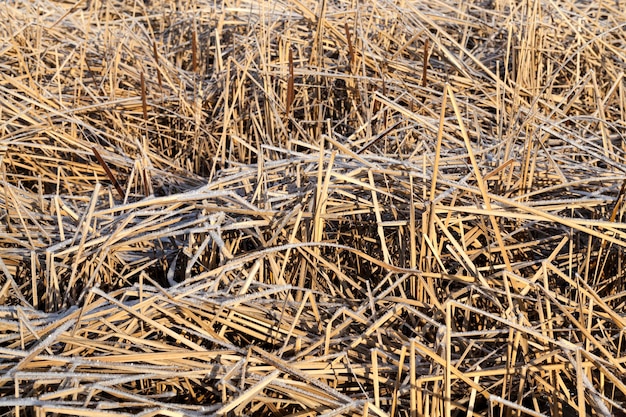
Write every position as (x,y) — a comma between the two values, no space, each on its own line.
(301,208)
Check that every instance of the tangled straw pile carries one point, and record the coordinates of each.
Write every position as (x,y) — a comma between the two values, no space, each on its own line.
(299,207)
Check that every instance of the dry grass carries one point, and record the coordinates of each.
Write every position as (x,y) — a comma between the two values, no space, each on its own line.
(298,207)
